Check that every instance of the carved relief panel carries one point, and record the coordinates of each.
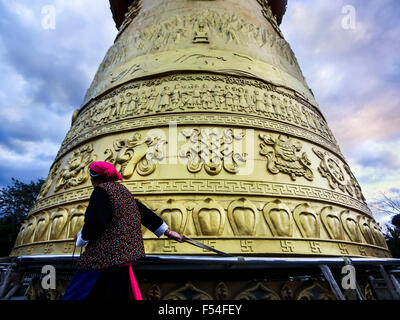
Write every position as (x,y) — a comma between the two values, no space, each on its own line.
(338,175)
(195,93)
(281,154)
(350,225)
(209,218)
(307,221)
(75,172)
(41,230)
(212,150)
(59,219)
(332,223)
(175,215)
(75,221)
(136,154)
(279,218)
(243,217)
(227,31)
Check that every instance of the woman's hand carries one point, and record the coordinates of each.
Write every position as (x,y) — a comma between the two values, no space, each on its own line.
(173,235)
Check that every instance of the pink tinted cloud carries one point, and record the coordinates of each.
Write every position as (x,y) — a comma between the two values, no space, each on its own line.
(378,119)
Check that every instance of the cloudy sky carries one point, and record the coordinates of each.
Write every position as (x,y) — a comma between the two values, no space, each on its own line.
(349,51)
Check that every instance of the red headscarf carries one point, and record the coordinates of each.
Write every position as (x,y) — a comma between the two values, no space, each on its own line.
(105,169)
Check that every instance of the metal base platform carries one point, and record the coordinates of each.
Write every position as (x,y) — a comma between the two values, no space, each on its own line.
(165,277)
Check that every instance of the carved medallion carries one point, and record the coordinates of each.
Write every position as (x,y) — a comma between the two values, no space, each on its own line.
(330,169)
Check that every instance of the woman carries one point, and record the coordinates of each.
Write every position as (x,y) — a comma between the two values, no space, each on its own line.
(112,232)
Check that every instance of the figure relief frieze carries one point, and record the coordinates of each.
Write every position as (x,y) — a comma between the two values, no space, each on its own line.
(267,13)
(282,156)
(198,93)
(133,11)
(198,28)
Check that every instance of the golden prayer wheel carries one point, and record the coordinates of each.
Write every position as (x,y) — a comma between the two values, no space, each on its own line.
(203,109)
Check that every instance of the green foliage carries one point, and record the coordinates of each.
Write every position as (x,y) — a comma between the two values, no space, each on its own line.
(15,203)
(393,240)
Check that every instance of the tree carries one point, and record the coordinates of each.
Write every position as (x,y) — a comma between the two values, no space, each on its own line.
(15,203)
(392,236)
(391,206)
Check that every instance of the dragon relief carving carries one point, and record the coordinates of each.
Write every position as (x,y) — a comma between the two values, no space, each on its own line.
(281,153)
(136,154)
(76,170)
(213,150)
